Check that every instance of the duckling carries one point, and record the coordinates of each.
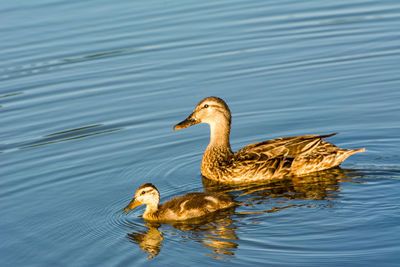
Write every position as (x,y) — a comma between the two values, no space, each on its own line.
(277,158)
(181,208)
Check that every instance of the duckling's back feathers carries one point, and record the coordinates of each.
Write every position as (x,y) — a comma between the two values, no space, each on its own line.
(194,205)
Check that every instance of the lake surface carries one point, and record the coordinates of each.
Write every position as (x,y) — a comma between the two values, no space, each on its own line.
(90,91)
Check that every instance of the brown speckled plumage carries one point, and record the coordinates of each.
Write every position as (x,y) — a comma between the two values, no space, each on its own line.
(270,159)
(191,205)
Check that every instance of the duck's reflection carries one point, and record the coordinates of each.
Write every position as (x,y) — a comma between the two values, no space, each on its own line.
(218,232)
(220,239)
(319,185)
(215,232)
(149,241)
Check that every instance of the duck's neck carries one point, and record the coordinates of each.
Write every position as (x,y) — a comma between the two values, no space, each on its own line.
(219,148)
(218,152)
(151,210)
(219,135)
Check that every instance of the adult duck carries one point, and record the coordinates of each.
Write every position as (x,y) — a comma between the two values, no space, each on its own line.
(277,158)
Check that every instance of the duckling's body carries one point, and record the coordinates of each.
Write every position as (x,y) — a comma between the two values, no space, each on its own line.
(271,159)
(186,207)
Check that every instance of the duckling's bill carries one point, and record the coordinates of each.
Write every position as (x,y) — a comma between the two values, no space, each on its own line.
(133,204)
(186,123)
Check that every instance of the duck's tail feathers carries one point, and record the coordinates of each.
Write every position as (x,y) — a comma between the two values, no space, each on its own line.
(347,153)
(352,151)
(327,135)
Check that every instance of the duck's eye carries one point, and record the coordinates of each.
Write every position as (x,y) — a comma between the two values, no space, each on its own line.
(143,192)
(206,105)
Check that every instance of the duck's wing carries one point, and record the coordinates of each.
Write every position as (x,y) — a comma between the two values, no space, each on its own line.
(324,156)
(274,158)
(295,155)
(284,147)
(252,165)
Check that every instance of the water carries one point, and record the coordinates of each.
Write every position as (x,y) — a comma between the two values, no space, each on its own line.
(90,91)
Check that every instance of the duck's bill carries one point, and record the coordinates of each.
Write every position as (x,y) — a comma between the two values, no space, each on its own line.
(186,123)
(133,204)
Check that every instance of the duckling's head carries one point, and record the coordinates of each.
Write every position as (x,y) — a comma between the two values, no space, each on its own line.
(146,194)
(211,110)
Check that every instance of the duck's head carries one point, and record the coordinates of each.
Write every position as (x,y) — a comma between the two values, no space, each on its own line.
(211,110)
(146,194)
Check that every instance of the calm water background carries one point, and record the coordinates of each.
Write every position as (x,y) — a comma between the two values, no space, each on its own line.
(90,90)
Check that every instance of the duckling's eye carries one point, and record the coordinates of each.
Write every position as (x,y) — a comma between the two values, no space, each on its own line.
(206,105)
(143,192)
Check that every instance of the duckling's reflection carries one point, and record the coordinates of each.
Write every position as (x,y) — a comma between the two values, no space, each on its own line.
(218,232)
(215,232)
(219,238)
(149,241)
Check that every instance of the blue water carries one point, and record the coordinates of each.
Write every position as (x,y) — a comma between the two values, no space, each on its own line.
(90,91)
